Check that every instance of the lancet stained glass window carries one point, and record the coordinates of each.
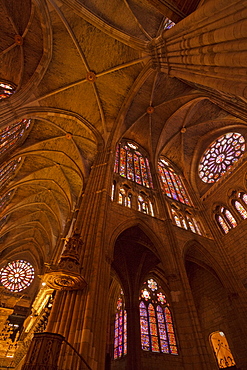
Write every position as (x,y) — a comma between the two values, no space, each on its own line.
(172,183)
(120,329)
(228,215)
(6,90)
(132,164)
(7,171)
(222,224)
(145,205)
(11,134)
(157,331)
(244,197)
(17,275)
(239,207)
(220,156)
(241,204)
(225,220)
(176,217)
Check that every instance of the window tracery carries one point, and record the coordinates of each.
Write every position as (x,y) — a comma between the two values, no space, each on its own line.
(220,156)
(132,164)
(121,196)
(10,135)
(239,207)
(17,275)
(120,329)
(145,205)
(6,90)
(132,198)
(185,220)
(172,183)
(129,200)
(156,324)
(7,171)
(240,204)
(224,219)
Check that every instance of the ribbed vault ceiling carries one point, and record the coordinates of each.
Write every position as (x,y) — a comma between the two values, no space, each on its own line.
(84,75)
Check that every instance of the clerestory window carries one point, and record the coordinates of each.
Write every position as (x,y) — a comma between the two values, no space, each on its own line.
(133,164)
(172,183)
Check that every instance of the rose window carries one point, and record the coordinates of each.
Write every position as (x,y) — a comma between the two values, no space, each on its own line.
(220,156)
(17,275)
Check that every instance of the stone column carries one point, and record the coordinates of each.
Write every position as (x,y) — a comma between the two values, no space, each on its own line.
(208,47)
(80,312)
(134,338)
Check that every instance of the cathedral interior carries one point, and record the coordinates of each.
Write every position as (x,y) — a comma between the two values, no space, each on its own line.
(123,184)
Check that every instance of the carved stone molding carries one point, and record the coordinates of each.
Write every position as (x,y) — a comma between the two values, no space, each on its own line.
(66,275)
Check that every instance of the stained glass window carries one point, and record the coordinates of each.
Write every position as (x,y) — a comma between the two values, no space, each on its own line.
(6,90)
(191,225)
(220,156)
(181,222)
(156,325)
(151,209)
(184,225)
(132,164)
(241,205)
(176,218)
(7,171)
(244,197)
(122,197)
(197,226)
(225,220)
(172,183)
(113,190)
(229,217)
(222,224)
(145,206)
(222,351)
(168,24)
(17,275)
(142,205)
(129,200)
(11,134)
(120,329)
(240,209)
